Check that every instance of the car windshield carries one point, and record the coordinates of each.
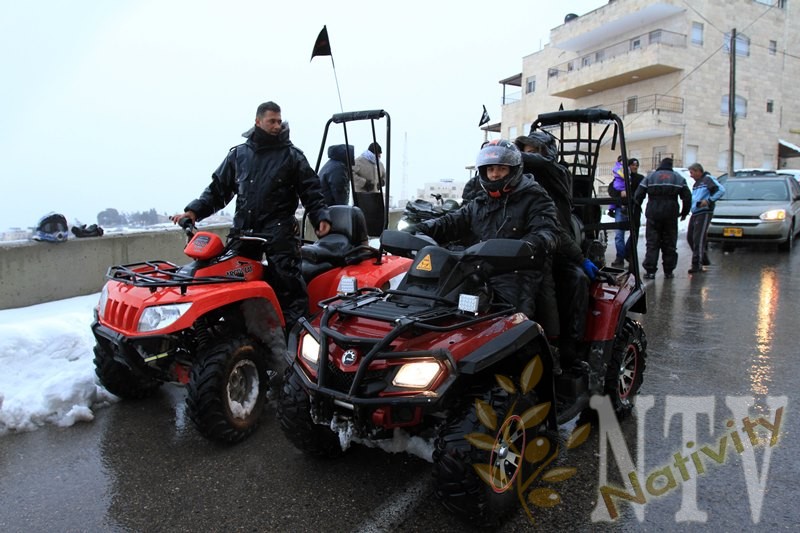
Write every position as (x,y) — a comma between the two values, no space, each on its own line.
(756,190)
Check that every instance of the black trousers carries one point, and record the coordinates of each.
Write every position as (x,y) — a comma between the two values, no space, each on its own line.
(283,274)
(661,236)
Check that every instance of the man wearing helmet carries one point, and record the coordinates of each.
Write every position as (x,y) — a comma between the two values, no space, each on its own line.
(514,207)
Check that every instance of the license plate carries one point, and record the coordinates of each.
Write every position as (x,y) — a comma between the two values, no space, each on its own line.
(731,232)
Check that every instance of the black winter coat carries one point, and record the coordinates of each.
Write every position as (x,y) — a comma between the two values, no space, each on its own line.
(663,187)
(334,177)
(526,213)
(268,175)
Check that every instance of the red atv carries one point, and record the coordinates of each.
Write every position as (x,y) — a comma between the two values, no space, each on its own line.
(438,358)
(214,324)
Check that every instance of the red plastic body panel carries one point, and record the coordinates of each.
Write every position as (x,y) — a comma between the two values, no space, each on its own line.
(126,302)
(204,245)
(367,273)
(605,305)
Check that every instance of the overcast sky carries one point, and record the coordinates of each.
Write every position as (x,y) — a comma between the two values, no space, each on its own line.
(133,104)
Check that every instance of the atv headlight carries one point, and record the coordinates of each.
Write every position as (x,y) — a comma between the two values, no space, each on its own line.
(161,316)
(101,305)
(402,224)
(309,349)
(416,375)
(775,214)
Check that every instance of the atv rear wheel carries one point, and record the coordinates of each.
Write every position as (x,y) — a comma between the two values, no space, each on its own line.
(626,369)
(456,482)
(118,379)
(227,389)
(294,412)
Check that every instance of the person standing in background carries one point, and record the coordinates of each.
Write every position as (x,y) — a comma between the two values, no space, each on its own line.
(368,170)
(705,192)
(616,190)
(334,176)
(663,187)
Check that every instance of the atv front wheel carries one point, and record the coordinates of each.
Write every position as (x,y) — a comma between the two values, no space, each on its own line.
(626,369)
(118,379)
(294,412)
(455,459)
(227,389)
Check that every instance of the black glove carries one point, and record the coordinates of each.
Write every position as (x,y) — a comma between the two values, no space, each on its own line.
(612,213)
(369,186)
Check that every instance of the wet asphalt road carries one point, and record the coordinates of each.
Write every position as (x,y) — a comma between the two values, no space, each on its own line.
(713,338)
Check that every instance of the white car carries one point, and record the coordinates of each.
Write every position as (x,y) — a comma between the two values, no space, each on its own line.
(794,172)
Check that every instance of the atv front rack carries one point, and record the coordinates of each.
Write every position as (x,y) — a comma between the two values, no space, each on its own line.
(155,274)
(372,304)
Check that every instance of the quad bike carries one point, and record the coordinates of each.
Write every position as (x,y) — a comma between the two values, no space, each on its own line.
(438,358)
(421,210)
(215,325)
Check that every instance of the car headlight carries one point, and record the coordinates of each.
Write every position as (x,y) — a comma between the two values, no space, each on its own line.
(417,375)
(309,349)
(774,214)
(161,316)
(101,305)
(402,224)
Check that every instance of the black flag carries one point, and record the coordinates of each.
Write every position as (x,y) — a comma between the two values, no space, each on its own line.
(484,118)
(322,47)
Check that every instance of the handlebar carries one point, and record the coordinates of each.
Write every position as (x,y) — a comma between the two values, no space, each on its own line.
(188,226)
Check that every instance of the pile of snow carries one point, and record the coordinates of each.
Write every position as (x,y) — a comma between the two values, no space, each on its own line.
(47,370)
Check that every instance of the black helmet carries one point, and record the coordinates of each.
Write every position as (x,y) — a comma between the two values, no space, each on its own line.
(544,141)
(499,152)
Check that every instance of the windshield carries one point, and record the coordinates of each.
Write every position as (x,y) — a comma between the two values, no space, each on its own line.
(756,190)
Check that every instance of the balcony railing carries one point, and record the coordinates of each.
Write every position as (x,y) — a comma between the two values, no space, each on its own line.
(511,98)
(640,42)
(640,104)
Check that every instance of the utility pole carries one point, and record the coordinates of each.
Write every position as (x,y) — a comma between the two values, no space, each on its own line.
(732,103)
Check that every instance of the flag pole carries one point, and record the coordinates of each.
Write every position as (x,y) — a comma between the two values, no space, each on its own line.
(336,78)
(322,47)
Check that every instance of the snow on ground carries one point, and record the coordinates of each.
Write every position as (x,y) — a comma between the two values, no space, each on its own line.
(47,371)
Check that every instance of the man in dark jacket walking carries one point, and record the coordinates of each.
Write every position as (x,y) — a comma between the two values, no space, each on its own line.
(663,187)
(334,176)
(514,207)
(268,175)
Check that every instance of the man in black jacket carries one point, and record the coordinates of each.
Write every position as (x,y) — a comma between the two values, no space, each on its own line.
(334,175)
(514,206)
(268,175)
(565,287)
(663,187)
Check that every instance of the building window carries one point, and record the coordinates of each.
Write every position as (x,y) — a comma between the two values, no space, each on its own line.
(530,85)
(512,132)
(770,106)
(552,73)
(655,36)
(586,61)
(741,106)
(697,33)
(526,127)
(773,48)
(632,104)
(742,44)
(599,55)
(636,44)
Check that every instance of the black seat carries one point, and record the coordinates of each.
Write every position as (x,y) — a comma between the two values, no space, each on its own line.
(339,247)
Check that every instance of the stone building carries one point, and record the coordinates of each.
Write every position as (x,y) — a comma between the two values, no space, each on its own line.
(664,66)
